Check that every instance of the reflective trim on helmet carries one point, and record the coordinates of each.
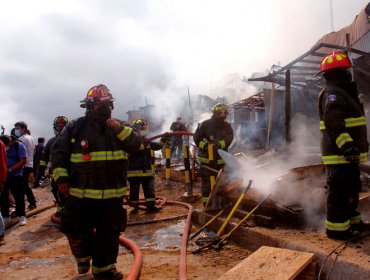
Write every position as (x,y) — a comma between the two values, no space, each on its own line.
(342,139)
(334,61)
(98,194)
(337,159)
(125,132)
(99,156)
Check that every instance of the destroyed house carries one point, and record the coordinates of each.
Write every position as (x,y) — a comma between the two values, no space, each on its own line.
(270,118)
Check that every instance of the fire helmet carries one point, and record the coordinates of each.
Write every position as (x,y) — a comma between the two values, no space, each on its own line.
(59,123)
(139,124)
(334,61)
(220,110)
(97,94)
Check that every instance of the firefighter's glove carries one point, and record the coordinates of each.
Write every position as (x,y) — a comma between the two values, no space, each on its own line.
(352,155)
(64,188)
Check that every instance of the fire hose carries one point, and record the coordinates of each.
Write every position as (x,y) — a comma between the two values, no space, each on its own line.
(175,133)
(184,239)
(13,222)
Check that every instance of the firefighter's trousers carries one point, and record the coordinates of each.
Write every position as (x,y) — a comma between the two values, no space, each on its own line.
(148,189)
(80,217)
(344,185)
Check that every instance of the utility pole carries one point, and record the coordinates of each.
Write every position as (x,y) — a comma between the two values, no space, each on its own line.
(191,110)
(331,16)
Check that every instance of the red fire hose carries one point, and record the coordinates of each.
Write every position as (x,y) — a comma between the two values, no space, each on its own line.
(183,133)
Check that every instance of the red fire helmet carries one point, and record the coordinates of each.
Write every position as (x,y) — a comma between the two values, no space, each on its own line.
(335,60)
(97,94)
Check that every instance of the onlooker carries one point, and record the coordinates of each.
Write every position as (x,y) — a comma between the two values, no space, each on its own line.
(3,171)
(176,140)
(36,158)
(23,135)
(16,157)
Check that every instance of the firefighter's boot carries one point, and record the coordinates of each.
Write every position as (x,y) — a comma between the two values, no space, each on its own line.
(361,226)
(153,208)
(83,267)
(108,275)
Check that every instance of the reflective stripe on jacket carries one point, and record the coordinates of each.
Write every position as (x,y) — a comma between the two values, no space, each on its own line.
(140,163)
(213,130)
(342,121)
(92,158)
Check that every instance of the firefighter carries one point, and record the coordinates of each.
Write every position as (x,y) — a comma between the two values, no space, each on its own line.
(216,131)
(343,145)
(176,140)
(89,167)
(141,172)
(58,125)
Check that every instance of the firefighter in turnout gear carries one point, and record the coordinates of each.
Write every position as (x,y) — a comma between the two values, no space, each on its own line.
(343,145)
(141,172)
(89,164)
(219,133)
(58,124)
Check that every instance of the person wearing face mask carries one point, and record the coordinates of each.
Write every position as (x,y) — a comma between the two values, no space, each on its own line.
(343,145)
(140,171)
(90,168)
(21,131)
(16,159)
(218,132)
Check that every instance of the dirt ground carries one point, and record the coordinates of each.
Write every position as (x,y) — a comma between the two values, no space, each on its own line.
(40,251)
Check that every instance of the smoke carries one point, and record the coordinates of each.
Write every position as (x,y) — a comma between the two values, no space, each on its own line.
(279,173)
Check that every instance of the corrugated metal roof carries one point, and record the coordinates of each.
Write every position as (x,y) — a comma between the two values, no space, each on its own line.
(304,68)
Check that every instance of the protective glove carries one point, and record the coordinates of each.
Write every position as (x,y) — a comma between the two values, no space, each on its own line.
(352,155)
(64,188)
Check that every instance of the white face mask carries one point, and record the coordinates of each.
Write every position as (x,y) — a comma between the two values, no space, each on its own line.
(143,132)
(17,132)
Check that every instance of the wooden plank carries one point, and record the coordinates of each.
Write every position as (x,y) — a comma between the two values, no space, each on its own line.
(270,263)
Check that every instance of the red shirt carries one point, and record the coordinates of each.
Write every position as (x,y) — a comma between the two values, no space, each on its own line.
(3,169)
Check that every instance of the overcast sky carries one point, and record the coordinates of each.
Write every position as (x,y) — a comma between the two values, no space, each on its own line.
(52,52)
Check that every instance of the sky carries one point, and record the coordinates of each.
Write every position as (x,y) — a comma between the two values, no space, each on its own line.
(147,51)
